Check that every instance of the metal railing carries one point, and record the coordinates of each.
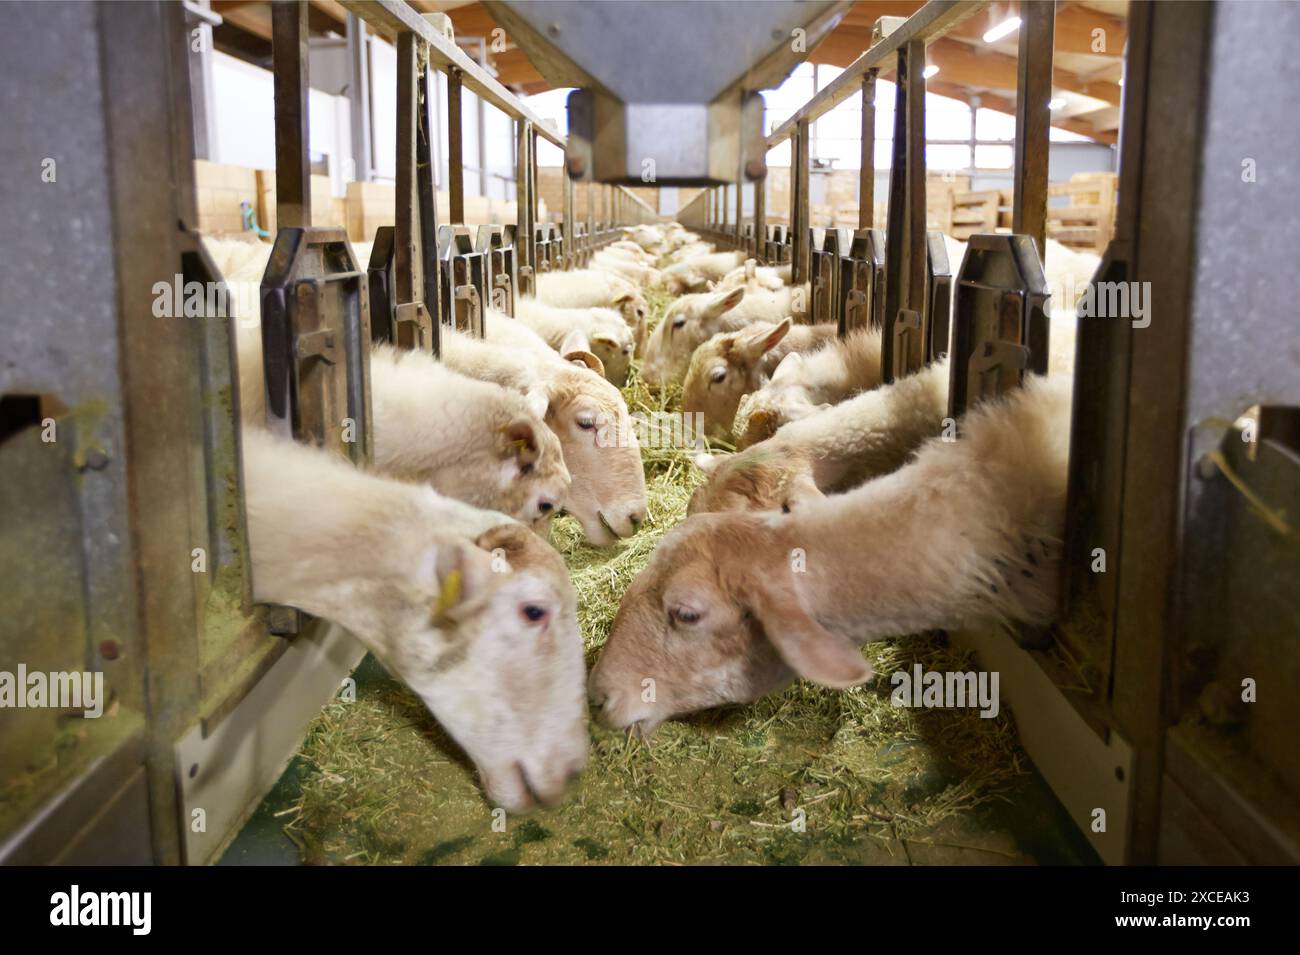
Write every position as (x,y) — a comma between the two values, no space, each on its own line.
(900,44)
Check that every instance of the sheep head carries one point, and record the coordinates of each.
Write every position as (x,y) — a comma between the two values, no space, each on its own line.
(716,617)
(591,420)
(494,650)
(687,323)
(726,368)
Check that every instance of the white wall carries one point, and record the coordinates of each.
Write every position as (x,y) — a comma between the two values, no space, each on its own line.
(243,99)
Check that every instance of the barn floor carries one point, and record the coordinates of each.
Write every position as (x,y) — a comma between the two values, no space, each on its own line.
(378,782)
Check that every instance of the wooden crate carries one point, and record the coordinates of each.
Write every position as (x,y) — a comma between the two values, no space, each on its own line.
(1087,220)
(975,212)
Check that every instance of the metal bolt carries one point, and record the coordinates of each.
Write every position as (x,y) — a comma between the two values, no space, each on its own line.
(1206,469)
(553,30)
(95,460)
(110,649)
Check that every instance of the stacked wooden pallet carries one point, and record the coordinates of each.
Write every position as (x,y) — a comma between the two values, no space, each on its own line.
(1087,220)
(975,212)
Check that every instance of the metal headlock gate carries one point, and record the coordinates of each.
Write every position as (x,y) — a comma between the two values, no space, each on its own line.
(1149,761)
(136,566)
(123,422)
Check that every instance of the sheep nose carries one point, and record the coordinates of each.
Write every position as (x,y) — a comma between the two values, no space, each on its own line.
(636,518)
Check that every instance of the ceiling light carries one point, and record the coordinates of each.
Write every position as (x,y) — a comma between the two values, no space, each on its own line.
(1056,102)
(1005,28)
(929,71)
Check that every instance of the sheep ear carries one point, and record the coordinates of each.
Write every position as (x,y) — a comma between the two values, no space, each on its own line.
(521,441)
(726,301)
(575,340)
(764,337)
(705,462)
(806,646)
(538,401)
(788,367)
(586,359)
(460,576)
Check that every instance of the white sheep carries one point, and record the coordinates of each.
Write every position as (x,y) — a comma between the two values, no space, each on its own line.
(831,450)
(607,333)
(622,263)
(755,277)
(693,319)
(472,611)
(587,413)
(594,288)
(734,605)
(732,364)
(471,440)
(801,384)
(694,274)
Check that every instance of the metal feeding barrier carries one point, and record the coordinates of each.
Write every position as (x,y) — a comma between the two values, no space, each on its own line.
(1179,554)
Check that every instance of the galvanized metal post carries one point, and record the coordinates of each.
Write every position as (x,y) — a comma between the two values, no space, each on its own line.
(570,251)
(455,148)
(525,238)
(359,97)
(292,162)
(412,327)
(867,170)
(1033,121)
(427,195)
(905,237)
(799,201)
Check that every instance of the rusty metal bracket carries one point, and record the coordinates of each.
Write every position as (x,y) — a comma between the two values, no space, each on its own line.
(497,245)
(1000,323)
(464,279)
(938,297)
(316,341)
(861,289)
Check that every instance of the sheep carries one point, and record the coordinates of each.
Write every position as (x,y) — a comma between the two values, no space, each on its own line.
(470,440)
(475,442)
(695,273)
(587,413)
(828,451)
(693,319)
(730,365)
(755,277)
(608,335)
(801,384)
(622,264)
(734,605)
(689,250)
(472,611)
(593,288)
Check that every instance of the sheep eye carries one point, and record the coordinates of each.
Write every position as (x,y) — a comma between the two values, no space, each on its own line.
(533,613)
(718,374)
(525,469)
(679,321)
(586,422)
(682,615)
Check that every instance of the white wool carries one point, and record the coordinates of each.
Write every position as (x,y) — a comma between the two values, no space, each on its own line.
(582,288)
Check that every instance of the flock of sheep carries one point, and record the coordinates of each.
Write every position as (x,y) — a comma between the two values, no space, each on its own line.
(849,513)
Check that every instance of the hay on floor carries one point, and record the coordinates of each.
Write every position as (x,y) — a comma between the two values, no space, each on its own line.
(382,784)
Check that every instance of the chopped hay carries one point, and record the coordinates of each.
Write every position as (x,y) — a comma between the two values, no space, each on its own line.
(383,784)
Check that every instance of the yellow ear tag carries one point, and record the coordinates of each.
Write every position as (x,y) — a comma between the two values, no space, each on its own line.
(449,595)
